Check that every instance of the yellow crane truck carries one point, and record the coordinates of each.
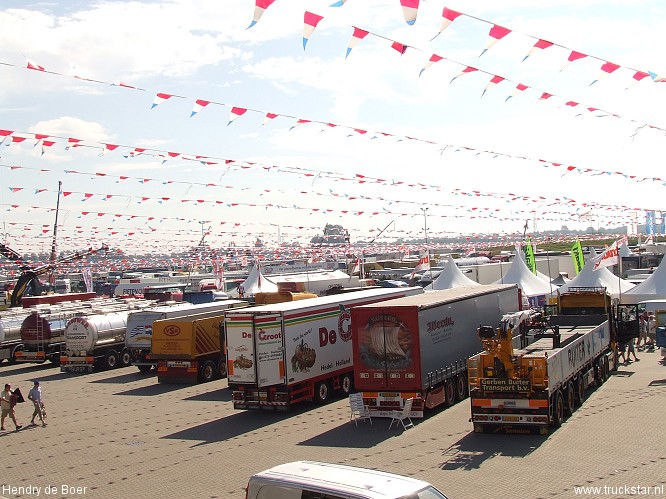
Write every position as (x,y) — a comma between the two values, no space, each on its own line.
(536,387)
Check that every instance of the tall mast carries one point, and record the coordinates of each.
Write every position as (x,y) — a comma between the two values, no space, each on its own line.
(52,259)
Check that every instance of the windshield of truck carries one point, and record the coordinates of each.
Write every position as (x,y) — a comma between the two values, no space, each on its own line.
(427,493)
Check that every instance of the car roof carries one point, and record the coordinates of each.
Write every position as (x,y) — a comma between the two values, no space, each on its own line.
(349,479)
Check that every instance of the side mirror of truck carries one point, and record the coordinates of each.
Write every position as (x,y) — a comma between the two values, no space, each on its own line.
(486,332)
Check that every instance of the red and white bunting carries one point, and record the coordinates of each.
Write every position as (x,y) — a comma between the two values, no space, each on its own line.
(410,10)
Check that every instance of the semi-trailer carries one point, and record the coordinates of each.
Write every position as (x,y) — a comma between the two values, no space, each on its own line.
(190,349)
(140,326)
(285,353)
(535,388)
(42,332)
(96,340)
(417,347)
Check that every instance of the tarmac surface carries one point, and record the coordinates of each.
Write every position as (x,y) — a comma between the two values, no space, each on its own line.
(120,434)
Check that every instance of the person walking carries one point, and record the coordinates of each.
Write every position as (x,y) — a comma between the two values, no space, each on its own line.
(35,394)
(7,403)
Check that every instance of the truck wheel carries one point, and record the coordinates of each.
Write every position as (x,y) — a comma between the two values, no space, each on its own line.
(12,359)
(322,392)
(599,372)
(222,368)
(461,387)
(125,358)
(449,392)
(557,406)
(580,390)
(207,371)
(606,365)
(55,359)
(111,359)
(569,407)
(346,385)
(144,368)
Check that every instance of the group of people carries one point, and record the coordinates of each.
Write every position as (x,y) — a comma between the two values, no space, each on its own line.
(646,338)
(9,399)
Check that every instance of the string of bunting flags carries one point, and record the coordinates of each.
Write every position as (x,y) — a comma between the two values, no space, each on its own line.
(237,111)
(358,178)
(496,33)
(466,212)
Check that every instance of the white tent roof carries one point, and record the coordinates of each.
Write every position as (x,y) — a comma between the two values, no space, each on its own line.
(601,278)
(652,288)
(531,284)
(450,277)
(256,282)
(624,250)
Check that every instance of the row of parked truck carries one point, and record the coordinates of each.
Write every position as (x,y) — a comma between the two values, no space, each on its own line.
(391,344)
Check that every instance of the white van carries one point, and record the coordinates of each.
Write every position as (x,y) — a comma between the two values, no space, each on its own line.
(313,480)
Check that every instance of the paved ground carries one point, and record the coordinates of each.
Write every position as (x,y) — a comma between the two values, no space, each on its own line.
(120,434)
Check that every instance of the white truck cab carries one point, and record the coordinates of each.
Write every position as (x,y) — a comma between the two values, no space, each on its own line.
(314,480)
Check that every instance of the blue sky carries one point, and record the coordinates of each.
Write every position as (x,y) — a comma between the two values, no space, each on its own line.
(301,178)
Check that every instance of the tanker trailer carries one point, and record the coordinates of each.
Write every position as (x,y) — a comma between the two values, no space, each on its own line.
(94,341)
(10,335)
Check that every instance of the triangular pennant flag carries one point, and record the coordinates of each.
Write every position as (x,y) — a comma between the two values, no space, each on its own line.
(539,45)
(299,122)
(259,9)
(235,113)
(199,104)
(573,56)
(310,21)
(409,10)
(468,69)
(519,88)
(357,35)
(497,32)
(433,59)
(656,78)
(159,98)
(448,16)
(269,117)
(606,69)
(493,81)
(32,65)
(399,47)
(339,3)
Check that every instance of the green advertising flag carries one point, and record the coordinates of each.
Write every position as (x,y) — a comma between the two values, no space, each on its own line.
(577,256)
(529,256)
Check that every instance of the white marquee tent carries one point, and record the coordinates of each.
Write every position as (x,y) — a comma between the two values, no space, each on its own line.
(600,278)
(450,277)
(532,285)
(652,288)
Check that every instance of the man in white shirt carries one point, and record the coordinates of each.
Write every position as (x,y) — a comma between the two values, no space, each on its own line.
(35,395)
(7,407)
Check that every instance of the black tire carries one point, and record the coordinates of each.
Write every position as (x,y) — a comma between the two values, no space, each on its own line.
(222,368)
(12,360)
(606,365)
(599,372)
(144,368)
(322,392)
(580,390)
(207,372)
(570,406)
(111,359)
(55,359)
(125,358)
(557,409)
(461,387)
(449,392)
(346,384)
